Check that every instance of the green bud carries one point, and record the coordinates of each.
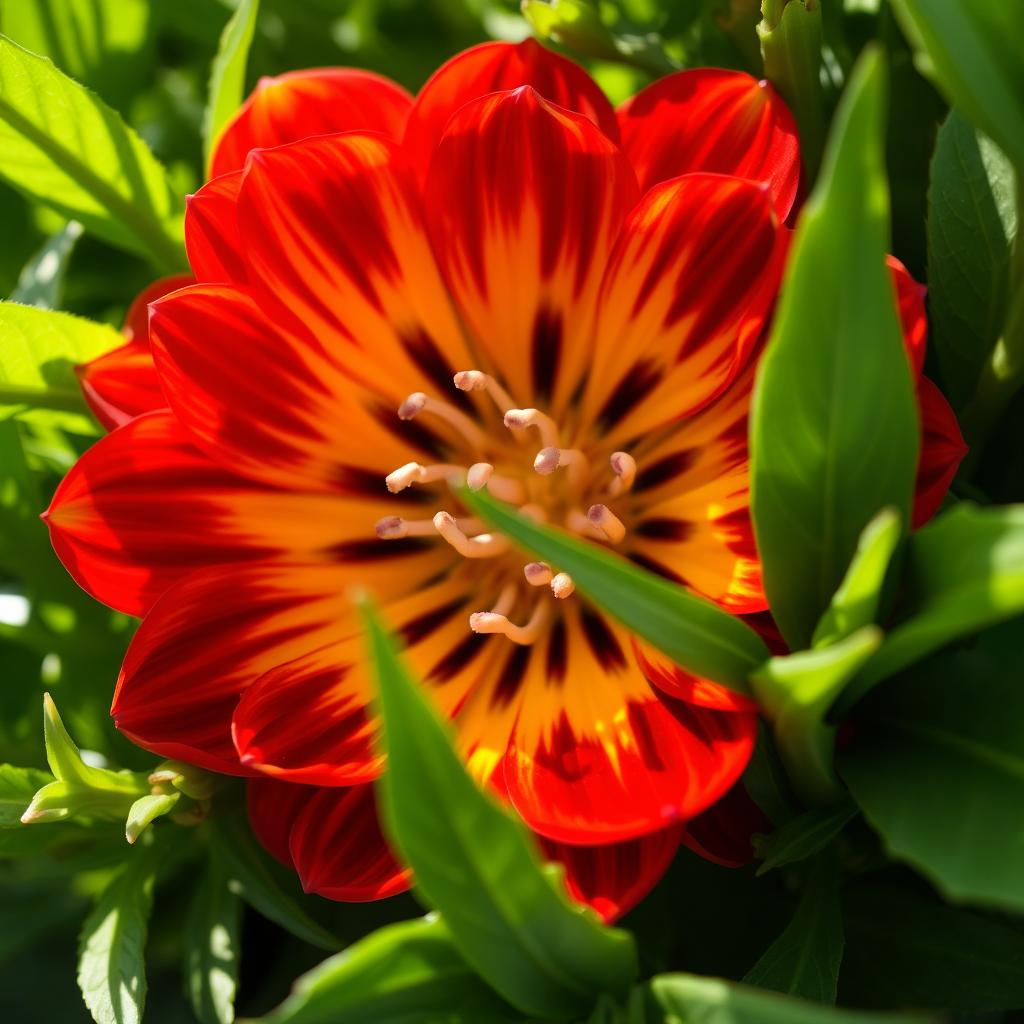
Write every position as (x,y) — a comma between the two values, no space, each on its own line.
(186,778)
(146,810)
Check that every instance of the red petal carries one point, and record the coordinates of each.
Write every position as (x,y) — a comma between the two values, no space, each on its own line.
(273,808)
(910,299)
(691,284)
(712,120)
(497,67)
(339,850)
(307,721)
(524,202)
(336,253)
(318,101)
(662,761)
(143,507)
(675,681)
(942,450)
(615,877)
(723,833)
(212,240)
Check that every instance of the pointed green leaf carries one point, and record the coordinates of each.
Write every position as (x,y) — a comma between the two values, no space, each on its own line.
(111,965)
(804,960)
(227,75)
(212,948)
(834,431)
(41,283)
(689,630)
(856,602)
(63,146)
(146,810)
(477,865)
(964,571)
(17,787)
(802,837)
(400,974)
(975,55)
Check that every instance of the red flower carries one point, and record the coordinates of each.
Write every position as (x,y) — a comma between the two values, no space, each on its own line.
(597,285)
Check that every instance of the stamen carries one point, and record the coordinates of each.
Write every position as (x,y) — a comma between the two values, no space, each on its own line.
(571,459)
(578,523)
(413,473)
(538,574)
(395,527)
(477,380)
(504,488)
(515,418)
(505,600)
(607,522)
(485,545)
(562,586)
(624,468)
(488,622)
(418,403)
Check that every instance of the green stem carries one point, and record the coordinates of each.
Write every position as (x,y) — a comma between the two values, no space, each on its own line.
(65,401)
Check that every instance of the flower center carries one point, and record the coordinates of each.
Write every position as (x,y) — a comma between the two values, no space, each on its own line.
(558,482)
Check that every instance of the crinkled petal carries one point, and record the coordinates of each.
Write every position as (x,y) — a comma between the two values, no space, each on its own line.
(212,241)
(714,120)
(942,450)
(317,101)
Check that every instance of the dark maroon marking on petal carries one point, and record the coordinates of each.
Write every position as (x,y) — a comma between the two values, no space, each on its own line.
(647,744)
(356,480)
(665,469)
(651,565)
(635,386)
(410,432)
(546,350)
(665,529)
(457,658)
(602,640)
(429,359)
(374,550)
(429,622)
(512,675)
(557,653)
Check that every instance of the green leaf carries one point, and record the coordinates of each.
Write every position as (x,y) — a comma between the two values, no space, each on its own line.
(802,837)
(111,968)
(965,571)
(63,146)
(905,948)
(937,766)
(478,866)
(689,630)
(261,881)
(795,691)
(834,432)
(688,999)
(856,603)
(212,948)
(227,75)
(38,357)
(401,974)
(41,283)
(975,55)
(804,960)
(17,787)
(972,222)
(146,810)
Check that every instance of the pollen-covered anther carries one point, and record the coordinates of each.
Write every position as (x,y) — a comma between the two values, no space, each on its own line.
(418,403)
(562,586)
(538,574)
(605,520)
(484,545)
(624,467)
(491,622)
(481,475)
(518,418)
(477,380)
(413,473)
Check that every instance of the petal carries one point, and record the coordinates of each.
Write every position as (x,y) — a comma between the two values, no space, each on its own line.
(723,833)
(713,120)
(212,241)
(687,293)
(942,450)
(595,757)
(317,101)
(123,383)
(675,681)
(339,850)
(336,253)
(274,405)
(273,807)
(614,878)
(691,505)
(497,67)
(524,202)
(910,300)
(213,634)
(143,507)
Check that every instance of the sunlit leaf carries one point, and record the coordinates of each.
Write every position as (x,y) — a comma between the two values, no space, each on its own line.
(802,837)
(42,281)
(213,947)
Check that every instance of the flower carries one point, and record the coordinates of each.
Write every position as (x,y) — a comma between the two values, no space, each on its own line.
(503,280)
